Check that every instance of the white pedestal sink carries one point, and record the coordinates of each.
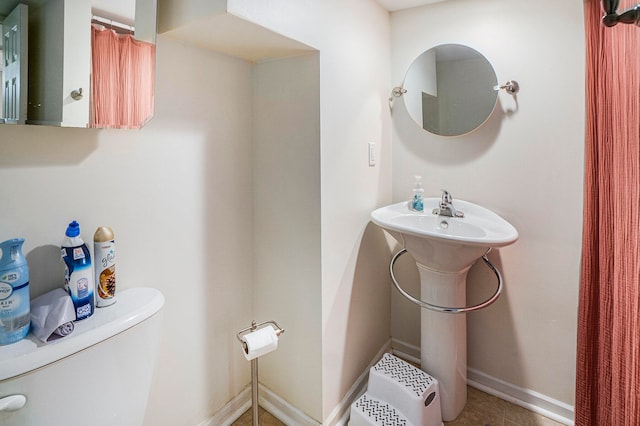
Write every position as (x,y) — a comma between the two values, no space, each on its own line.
(444,249)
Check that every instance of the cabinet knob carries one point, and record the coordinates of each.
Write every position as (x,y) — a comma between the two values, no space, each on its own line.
(77,94)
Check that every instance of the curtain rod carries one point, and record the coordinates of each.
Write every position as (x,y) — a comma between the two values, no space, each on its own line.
(110,22)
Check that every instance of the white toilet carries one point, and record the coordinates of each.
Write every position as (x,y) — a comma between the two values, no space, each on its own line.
(99,375)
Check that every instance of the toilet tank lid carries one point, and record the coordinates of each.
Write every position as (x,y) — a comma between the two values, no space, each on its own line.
(133,306)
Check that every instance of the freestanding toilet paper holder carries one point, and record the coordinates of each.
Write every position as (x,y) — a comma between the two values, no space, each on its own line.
(254,364)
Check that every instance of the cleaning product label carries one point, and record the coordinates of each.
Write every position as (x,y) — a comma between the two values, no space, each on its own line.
(15,319)
(5,290)
(79,279)
(105,257)
(83,287)
(9,284)
(78,253)
(14,312)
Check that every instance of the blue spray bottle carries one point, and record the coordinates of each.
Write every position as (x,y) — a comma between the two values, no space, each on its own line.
(15,319)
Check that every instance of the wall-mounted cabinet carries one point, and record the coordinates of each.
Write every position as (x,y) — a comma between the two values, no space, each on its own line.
(60,63)
(13,65)
(64,87)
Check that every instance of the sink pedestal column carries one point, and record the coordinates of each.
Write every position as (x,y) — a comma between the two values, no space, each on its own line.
(444,337)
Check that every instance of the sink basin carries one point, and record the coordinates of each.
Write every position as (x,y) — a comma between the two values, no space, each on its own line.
(447,244)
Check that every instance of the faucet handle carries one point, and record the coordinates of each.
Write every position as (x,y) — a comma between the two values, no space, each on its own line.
(446,206)
(446,197)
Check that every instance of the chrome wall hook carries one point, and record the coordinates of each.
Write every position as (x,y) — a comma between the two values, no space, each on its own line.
(512,87)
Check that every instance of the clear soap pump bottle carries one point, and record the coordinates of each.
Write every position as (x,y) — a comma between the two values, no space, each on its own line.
(417,202)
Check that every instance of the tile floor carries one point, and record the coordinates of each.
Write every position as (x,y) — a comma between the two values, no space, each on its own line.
(265,418)
(482,409)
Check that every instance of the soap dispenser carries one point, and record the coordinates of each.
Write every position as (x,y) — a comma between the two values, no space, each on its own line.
(417,202)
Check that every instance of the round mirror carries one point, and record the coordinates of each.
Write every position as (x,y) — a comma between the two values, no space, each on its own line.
(450,90)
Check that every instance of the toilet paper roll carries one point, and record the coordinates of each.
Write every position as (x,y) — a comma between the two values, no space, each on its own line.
(260,342)
(64,330)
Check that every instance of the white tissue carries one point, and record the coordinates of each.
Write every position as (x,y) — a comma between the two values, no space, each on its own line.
(260,342)
(52,315)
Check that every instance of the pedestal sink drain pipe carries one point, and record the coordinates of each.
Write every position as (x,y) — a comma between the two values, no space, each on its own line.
(445,309)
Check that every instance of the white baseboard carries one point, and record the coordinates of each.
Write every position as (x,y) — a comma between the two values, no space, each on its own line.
(282,410)
(287,413)
(529,399)
(340,414)
(267,399)
(231,411)
(406,351)
(290,415)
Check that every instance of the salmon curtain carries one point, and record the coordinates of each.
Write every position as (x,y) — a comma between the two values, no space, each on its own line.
(608,352)
(122,80)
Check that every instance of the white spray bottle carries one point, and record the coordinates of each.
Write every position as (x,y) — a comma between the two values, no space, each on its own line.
(104,254)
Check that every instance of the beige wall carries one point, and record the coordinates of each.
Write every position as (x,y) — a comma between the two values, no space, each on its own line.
(178,196)
(526,164)
(286,183)
(353,41)
(185,184)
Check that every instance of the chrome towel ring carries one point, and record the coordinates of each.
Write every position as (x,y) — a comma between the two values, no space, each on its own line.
(445,309)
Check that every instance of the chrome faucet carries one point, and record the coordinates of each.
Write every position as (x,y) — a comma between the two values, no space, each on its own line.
(445,208)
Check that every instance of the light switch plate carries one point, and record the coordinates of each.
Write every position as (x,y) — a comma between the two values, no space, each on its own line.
(372,154)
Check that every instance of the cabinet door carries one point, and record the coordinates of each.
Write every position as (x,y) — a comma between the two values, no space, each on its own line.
(14,66)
